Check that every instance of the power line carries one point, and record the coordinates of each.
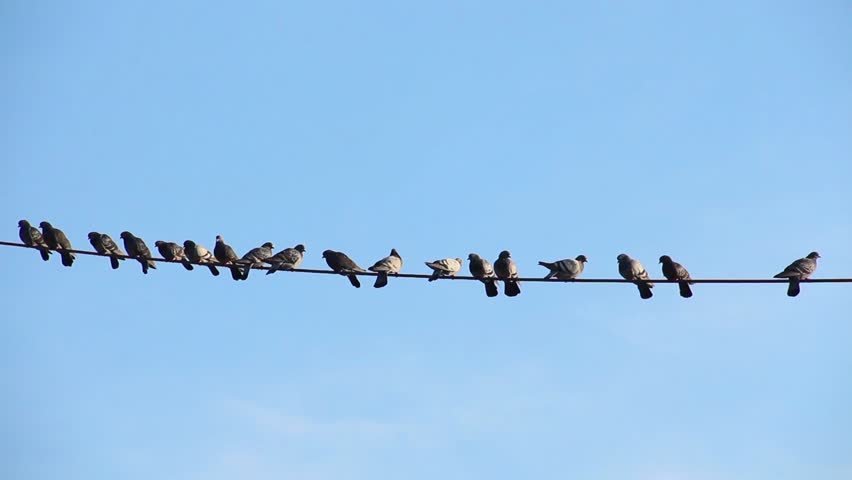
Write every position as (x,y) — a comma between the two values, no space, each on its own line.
(464,277)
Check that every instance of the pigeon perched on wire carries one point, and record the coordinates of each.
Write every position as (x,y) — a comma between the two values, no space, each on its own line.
(227,256)
(445,267)
(675,271)
(33,238)
(801,269)
(566,269)
(198,254)
(56,240)
(342,264)
(174,252)
(481,269)
(287,259)
(390,264)
(632,270)
(137,249)
(105,245)
(255,258)
(506,270)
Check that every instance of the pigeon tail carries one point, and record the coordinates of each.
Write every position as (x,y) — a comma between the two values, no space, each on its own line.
(644,291)
(45,254)
(435,275)
(186,264)
(491,288)
(511,288)
(793,287)
(213,270)
(113,261)
(381,280)
(67,258)
(235,272)
(685,291)
(353,279)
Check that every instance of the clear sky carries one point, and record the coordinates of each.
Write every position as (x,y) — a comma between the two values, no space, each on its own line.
(717,133)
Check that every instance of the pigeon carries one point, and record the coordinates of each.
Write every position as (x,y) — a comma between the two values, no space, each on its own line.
(286,259)
(675,271)
(567,269)
(390,264)
(255,257)
(227,256)
(104,245)
(481,269)
(801,269)
(446,267)
(506,270)
(33,238)
(137,249)
(174,252)
(198,254)
(56,239)
(634,271)
(340,263)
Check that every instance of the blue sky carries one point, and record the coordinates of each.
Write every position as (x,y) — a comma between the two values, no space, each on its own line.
(718,134)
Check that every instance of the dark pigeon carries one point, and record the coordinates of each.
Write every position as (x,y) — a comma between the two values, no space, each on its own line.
(481,269)
(227,256)
(137,249)
(801,269)
(675,271)
(173,252)
(340,263)
(33,238)
(56,240)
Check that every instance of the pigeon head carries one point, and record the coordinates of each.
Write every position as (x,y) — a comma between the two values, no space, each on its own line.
(813,255)
(268,245)
(581,258)
(158,243)
(505,254)
(473,257)
(94,236)
(300,248)
(189,244)
(622,257)
(46,225)
(666,259)
(126,235)
(328,253)
(394,253)
(459,260)
(219,239)
(23,224)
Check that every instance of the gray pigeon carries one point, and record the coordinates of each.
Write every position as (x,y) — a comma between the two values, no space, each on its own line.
(634,271)
(33,238)
(255,258)
(675,271)
(801,269)
(287,259)
(506,270)
(173,252)
(390,264)
(481,269)
(137,249)
(567,269)
(342,264)
(445,267)
(198,254)
(227,256)
(104,245)
(56,239)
